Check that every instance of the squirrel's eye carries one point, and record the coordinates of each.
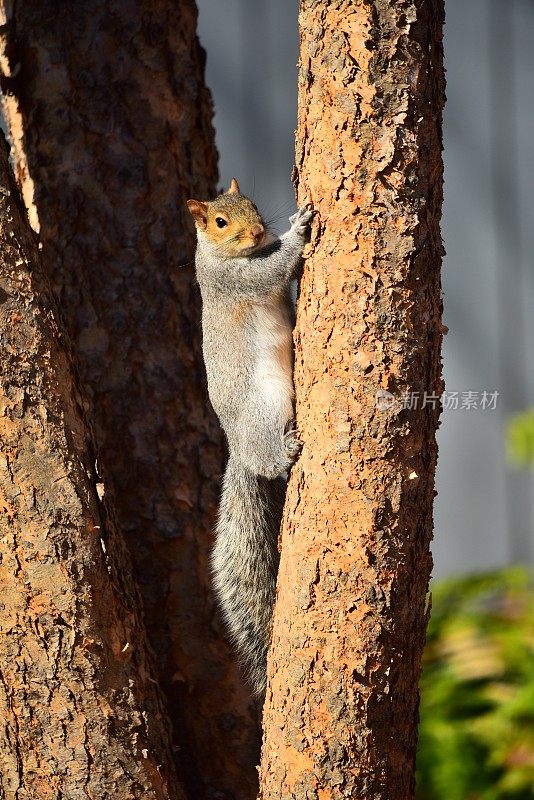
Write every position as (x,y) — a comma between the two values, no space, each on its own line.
(220,222)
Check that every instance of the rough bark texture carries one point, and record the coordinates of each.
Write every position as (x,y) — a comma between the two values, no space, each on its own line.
(80,712)
(107,105)
(350,618)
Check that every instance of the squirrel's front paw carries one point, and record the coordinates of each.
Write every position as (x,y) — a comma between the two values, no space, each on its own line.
(300,220)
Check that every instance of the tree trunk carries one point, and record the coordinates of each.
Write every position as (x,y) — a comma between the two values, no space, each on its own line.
(80,712)
(350,617)
(107,107)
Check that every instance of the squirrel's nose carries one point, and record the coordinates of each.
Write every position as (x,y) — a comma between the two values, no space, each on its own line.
(257,231)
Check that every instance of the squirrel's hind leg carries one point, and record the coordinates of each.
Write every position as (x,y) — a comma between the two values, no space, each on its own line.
(292,443)
(267,443)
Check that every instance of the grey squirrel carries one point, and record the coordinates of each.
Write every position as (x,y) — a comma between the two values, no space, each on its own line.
(244,275)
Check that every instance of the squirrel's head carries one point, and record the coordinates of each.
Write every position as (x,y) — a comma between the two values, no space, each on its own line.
(231,222)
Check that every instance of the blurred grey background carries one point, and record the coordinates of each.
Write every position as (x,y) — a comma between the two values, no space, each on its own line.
(484,510)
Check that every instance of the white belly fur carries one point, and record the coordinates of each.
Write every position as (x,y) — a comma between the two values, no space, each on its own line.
(273,369)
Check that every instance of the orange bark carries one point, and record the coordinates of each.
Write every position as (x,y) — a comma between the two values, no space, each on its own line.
(340,716)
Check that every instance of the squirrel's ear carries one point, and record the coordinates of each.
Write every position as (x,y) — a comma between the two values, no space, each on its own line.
(234,187)
(199,212)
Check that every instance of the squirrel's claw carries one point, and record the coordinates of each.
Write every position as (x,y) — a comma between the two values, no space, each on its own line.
(300,220)
(292,445)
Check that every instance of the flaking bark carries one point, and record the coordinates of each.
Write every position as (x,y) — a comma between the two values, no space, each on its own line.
(80,712)
(111,119)
(341,709)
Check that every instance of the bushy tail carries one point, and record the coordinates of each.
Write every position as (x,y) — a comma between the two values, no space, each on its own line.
(245,562)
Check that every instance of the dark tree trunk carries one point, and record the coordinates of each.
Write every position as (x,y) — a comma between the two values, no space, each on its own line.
(107,107)
(80,712)
(350,617)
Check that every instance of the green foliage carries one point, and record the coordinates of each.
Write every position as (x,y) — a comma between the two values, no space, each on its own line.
(477,690)
(520,438)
